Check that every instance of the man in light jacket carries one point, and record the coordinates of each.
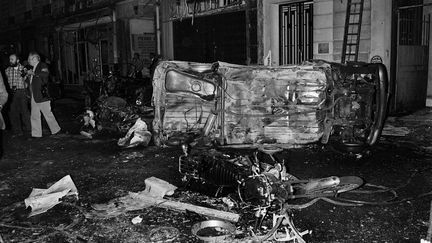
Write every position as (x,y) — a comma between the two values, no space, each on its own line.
(40,102)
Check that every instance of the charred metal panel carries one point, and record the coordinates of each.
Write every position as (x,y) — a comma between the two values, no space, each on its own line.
(273,105)
(254,104)
(185,108)
(184,83)
(184,114)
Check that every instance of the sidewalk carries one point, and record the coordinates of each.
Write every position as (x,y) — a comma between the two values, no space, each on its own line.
(414,129)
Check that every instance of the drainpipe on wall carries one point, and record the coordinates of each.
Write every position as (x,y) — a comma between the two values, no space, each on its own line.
(158,32)
(59,56)
(115,49)
(260,31)
(247,21)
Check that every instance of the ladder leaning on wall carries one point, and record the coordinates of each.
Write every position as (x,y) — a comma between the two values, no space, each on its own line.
(353,22)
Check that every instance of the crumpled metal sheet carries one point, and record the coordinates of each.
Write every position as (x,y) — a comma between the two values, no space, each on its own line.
(261,104)
(277,105)
(176,112)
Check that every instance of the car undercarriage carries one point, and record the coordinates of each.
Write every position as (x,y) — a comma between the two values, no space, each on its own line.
(250,106)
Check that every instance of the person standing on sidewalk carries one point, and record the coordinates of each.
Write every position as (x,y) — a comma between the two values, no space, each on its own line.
(19,113)
(40,101)
(3,100)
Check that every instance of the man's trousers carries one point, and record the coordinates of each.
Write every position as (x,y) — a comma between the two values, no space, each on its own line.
(36,123)
(19,113)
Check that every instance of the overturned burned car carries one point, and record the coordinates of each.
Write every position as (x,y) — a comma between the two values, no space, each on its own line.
(317,101)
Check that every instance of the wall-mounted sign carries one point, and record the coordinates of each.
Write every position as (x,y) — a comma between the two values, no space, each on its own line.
(144,44)
(323,48)
(376,59)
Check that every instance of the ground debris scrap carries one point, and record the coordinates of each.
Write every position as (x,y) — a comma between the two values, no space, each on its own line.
(41,200)
(390,130)
(153,196)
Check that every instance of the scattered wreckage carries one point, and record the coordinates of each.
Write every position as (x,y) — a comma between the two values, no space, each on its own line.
(264,192)
(270,108)
(267,108)
(235,105)
(344,105)
(263,184)
(118,104)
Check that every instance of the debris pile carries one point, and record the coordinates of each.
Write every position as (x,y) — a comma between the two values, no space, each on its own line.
(390,130)
(153,195)
(41,200)
(138,134)
(116,115)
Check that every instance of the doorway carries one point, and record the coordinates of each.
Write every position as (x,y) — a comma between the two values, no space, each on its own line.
(410,66)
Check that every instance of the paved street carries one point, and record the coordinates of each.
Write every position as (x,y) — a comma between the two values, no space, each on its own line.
(102,171)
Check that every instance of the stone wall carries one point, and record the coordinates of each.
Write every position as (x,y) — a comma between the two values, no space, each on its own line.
(329,23)
(323,30)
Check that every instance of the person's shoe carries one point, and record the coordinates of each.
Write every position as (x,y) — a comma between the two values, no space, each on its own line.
(60,132)
(16,134)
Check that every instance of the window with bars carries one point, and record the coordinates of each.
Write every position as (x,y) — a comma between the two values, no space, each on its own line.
(413,27)
(296,29)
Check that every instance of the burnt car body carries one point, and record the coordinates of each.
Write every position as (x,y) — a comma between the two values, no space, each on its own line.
(239,105)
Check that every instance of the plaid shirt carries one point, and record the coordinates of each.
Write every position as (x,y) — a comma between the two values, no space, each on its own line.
(14,77)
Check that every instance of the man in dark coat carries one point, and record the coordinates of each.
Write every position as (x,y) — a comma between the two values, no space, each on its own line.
(40,102)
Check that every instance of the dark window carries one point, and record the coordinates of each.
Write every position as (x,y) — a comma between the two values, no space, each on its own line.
(412,28)
(28,15)
(227,2)
(253,37)
(81,35)
(212,38)
(82,49)
(11,20)
(46,9)
(405,3)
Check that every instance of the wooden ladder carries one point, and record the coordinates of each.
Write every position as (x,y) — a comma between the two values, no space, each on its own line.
(353,22)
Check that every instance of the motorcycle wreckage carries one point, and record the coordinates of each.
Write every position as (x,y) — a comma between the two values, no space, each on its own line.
(261,182)
(122,107)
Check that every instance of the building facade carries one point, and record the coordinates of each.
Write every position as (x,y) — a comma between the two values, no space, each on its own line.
(82,39)
(283,32)
(25,26)
(207,31)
